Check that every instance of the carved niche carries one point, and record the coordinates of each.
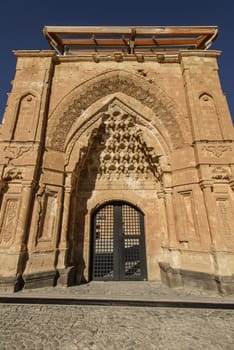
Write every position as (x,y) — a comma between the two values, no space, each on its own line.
(209,119)
(25,122)
(117,151)
(188,227)
(47,204)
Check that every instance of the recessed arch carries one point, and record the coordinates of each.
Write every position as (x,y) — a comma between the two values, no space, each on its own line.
(26,106)
(117,199)
(152,97)
(154,130)
(205,94)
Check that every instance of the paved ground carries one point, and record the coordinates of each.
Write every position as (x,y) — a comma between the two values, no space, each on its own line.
(80,327)
(124,290)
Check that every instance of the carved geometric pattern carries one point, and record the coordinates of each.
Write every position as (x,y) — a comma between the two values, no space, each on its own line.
(161,105)
(10,221)
(117,150)
(126,153)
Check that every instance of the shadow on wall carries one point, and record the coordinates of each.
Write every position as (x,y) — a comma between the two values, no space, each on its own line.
(84,180)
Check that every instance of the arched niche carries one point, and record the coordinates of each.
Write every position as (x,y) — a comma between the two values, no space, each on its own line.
(113,152)
(153,130)
(209,120)
(81,98)
(25,121)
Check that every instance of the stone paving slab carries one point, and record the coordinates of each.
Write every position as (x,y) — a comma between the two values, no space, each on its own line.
(45,326)
(69,327)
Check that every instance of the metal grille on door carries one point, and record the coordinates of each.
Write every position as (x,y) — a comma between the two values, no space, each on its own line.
(118,243)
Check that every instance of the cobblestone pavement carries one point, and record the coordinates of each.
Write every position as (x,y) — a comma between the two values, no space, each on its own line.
(86,327)
(69,327)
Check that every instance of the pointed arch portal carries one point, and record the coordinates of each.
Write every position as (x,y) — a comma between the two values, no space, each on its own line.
(118,251)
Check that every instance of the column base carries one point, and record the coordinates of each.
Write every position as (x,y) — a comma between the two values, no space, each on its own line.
(67,277)
(173,278)
(11,283)
(41,279)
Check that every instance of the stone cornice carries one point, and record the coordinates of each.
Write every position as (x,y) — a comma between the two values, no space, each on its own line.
(34,53)
(161,57)
(119,57)
(199,53)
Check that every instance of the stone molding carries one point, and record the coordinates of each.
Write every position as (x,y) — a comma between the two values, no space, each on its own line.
(137,87)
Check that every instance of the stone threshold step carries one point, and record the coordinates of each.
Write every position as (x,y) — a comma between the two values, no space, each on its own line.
(163,303)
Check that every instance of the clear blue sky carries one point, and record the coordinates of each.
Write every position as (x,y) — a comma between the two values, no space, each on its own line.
(21,23)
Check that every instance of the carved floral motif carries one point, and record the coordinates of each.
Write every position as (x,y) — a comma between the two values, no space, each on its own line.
(217,150)
(13,152)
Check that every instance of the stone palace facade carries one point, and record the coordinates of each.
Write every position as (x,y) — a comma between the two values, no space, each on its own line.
(117,161)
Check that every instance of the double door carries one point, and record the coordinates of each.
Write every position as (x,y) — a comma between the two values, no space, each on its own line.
(118,250)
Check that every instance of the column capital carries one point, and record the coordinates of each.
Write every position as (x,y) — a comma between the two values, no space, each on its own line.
(160,194)
(206,184)
(168,190)
(29,183)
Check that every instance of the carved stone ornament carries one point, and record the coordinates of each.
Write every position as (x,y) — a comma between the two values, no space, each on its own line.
(217,150)
(160,104)
(12,173)
(220,173)
(117,150)
(9,222)
(13,152)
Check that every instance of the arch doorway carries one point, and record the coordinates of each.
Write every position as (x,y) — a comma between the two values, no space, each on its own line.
(118,250)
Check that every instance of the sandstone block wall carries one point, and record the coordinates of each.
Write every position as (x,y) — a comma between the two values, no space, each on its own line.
(150,130)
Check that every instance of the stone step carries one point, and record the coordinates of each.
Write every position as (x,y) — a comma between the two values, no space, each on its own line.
(120,293)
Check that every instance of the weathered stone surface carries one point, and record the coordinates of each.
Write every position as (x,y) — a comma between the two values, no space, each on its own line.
(155,134)
(95,328)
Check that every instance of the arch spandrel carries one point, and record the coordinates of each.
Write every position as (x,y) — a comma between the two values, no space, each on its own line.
(80,99)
